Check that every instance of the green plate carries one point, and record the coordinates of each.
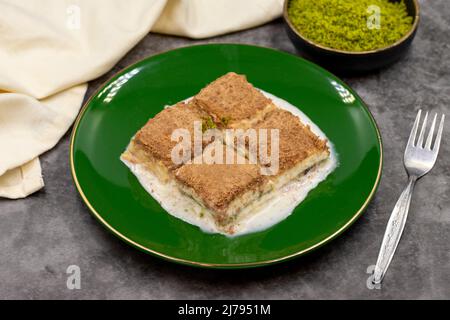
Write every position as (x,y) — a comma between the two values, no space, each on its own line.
(124,104)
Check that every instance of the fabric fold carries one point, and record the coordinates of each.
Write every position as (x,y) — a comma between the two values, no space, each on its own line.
(29,127)
(22,181)
(205,18)
(47,46)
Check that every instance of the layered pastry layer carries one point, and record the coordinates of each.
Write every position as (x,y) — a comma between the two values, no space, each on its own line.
(299,148)
(224,189)
(233,102)
(153,144)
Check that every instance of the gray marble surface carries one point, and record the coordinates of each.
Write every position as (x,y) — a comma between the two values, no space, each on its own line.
(42,235)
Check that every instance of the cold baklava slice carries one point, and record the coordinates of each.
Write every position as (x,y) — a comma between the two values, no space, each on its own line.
(152,146)
(223,189)
(233,102)
(299,149)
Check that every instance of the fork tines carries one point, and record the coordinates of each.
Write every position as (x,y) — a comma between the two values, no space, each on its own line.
(419,143)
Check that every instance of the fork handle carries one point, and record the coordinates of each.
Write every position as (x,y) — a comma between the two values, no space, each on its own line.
(393,231)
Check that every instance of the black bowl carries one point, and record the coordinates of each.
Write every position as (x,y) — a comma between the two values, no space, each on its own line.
(352,62)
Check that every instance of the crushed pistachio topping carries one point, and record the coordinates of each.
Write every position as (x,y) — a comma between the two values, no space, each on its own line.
(351,25)
(207,124)
(225,121)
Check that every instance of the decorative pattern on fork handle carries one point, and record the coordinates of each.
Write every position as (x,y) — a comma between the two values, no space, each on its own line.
(419,159)
(394,231)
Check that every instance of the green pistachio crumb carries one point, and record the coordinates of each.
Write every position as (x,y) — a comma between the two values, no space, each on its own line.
(225,121)
(207,124)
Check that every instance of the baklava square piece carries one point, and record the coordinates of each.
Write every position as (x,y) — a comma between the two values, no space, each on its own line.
(299,149)
(152,145)
(224,189)
(233,102)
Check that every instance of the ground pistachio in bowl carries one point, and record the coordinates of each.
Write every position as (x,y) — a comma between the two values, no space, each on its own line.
(351,25)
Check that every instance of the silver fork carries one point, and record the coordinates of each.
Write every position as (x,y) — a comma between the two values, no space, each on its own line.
(419,159)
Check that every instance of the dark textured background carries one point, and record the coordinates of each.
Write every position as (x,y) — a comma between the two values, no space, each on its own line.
(42,235)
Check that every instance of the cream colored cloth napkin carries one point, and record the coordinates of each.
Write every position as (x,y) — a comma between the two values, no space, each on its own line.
(49,49)
(207,18)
